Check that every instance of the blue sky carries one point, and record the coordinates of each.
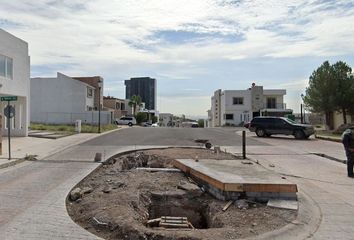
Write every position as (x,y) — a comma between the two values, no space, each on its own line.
(192,47)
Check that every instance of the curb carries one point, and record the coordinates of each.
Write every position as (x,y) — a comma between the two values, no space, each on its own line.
(328,138)
(21,160)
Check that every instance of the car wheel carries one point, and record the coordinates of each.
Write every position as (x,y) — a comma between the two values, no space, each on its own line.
(208,145)
(130,124)
(260,132)
(298,134)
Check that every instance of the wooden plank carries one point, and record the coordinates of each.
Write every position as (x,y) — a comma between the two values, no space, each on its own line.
(227,205)
(181,166)
(171,217)
(269,187)
(171,225)
(175,221)
(234,187)
(208,179)
(153,221)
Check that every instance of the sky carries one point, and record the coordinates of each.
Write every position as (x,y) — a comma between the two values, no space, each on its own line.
(191,47)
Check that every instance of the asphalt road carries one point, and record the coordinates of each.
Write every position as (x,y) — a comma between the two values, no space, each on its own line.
(171,137)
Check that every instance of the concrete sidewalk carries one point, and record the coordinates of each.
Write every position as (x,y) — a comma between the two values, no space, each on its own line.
(325,181)
(40,147)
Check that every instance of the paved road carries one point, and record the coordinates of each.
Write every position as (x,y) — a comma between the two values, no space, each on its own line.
(171,136)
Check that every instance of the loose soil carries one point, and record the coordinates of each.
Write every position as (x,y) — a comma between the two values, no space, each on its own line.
(117,200)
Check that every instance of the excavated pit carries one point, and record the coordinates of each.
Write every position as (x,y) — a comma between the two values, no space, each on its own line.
(178,204)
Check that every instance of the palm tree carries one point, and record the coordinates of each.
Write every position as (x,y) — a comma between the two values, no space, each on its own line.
(134,102)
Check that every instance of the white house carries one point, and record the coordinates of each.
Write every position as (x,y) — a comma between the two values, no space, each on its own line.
(234,107)
(15,81)
(63,100)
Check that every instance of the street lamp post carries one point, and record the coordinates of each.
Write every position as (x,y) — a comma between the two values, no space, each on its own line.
(99,105)
(302,109)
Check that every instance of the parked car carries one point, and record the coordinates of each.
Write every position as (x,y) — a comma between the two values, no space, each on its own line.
(246,125)
(146,124)
(154,125)
(267,126)
(130,121)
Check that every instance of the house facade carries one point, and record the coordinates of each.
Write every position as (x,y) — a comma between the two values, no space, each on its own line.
(119,107)
(15,81)
(97,83)
(63,100)
(235,107)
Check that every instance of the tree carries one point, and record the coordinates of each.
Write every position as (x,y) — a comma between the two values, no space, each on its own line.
(201,123)
(141,117)
(344,97)
(331,88)
(134,102)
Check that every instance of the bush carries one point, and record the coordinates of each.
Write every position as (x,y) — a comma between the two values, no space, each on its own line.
(141,117)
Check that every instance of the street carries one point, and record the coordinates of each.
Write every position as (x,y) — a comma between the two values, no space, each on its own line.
(32,194)
(171,137)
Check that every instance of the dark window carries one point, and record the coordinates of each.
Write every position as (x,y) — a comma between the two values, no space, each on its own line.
(238,100)
(117,105)
(271,103)
(229,116)
(89,92)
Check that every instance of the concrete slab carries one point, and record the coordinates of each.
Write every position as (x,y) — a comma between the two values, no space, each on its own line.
(234,176)
(283,203)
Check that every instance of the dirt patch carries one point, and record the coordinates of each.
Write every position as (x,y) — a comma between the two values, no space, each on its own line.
(117,201)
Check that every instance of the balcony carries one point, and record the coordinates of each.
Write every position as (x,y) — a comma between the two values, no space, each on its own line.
(274,106)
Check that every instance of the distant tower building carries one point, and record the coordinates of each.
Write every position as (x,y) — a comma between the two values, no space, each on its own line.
(145,87)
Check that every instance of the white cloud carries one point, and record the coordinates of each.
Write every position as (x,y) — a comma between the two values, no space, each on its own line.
(120,38)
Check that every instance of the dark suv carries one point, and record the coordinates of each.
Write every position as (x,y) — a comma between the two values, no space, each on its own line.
(267,126)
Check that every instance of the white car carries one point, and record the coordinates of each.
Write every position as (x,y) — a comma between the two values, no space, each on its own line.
(130,121)
(154,125)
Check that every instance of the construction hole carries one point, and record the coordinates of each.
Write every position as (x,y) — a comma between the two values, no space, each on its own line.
(169,205)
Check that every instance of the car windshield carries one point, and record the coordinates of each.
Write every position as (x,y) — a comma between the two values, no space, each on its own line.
(289,121)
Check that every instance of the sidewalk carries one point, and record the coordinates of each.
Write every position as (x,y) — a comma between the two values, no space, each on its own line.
(325,181)
(40,147)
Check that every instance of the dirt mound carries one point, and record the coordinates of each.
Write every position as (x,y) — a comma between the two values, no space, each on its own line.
(140,159)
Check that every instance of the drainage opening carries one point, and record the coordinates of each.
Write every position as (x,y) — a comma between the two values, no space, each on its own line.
(179,210)
(193,212)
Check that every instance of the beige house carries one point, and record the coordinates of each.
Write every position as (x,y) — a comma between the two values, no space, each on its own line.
(338,119)
(119,107)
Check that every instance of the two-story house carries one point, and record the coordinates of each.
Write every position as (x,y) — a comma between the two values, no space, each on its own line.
(119,107)
(234,107)
(15,81)
(60,99)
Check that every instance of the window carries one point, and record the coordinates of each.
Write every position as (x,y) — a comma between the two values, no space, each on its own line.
(117,105)
(229,116)
(89,92)
(9,68)
(271,103)
(6,67)
(238,100)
